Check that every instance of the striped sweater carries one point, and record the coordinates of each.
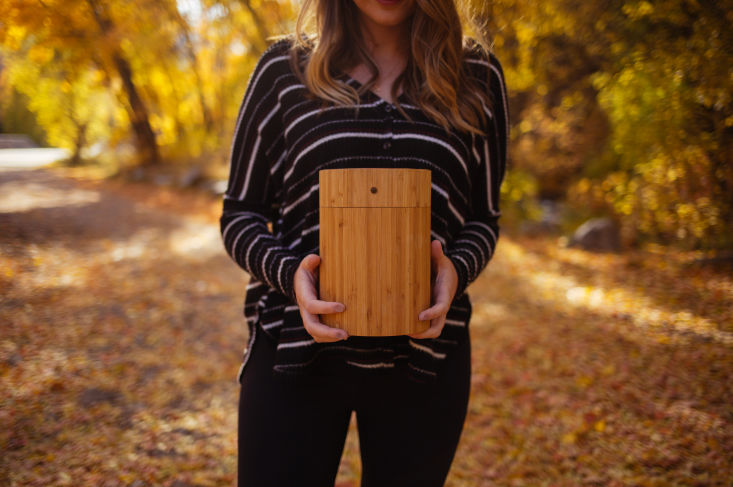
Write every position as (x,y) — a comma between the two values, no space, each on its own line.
(280,143)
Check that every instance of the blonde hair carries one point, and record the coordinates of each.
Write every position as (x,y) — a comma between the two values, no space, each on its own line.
(436,78)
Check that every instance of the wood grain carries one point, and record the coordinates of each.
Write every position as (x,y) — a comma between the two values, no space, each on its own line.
(375,249)
(395,187)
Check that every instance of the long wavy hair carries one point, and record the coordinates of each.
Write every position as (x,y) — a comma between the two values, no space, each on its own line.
(436,78)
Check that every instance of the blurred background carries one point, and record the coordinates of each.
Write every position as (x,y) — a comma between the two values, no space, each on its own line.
(620,109)
(602,328)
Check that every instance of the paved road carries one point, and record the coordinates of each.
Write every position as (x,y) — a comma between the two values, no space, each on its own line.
(30,158)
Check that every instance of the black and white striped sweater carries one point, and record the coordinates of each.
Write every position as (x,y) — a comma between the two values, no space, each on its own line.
(281,142)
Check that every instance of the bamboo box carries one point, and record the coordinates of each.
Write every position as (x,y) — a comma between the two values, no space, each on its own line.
(374,239)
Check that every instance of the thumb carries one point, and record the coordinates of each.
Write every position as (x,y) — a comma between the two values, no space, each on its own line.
(310,262)
(436,250)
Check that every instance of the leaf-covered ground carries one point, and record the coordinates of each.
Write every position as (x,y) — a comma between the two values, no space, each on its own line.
(121,335)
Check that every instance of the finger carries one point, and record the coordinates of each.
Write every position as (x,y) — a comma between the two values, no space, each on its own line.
(436,251)
(445,285)
(433,260)
(434,331)
(438,309)
(436,247)
(319,331)
(307,289)
(324,333)
(305,284)
(319,307)
(429,333)
(310,262)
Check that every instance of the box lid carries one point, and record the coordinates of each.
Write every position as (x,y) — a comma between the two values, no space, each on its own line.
(374,187)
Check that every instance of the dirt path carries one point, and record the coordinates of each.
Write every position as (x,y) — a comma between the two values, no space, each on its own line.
(122,334)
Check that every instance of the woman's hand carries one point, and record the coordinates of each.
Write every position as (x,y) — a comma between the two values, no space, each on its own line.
(310,306)
(444,289)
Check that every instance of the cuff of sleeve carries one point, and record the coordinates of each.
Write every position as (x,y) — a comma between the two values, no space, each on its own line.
(462,274)
(288,276)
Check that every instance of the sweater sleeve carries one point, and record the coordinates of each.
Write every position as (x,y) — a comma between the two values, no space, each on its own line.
(255,180)
(474,245)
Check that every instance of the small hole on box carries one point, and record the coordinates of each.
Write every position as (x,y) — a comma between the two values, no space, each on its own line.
(374,189)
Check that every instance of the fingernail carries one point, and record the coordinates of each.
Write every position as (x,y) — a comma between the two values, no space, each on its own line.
(340,307)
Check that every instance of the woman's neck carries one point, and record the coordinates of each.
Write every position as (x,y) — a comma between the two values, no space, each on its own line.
(388,45)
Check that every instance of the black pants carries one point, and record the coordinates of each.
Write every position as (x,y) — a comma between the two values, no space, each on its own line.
(293,434)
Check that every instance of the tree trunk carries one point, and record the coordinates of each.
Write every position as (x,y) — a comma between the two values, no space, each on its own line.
(257,20)
(191,53)
(79,143)
(147,147)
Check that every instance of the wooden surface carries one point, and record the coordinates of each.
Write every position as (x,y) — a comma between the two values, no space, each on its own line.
(375,249)
(394,187)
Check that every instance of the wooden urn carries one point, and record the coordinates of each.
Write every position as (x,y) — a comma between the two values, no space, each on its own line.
(374,239)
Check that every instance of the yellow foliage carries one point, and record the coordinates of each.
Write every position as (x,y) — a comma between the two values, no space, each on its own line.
(14,35)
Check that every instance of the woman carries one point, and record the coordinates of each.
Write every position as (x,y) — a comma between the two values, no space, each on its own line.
(382,83)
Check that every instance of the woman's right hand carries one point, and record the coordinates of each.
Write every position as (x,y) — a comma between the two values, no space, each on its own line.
(310,306)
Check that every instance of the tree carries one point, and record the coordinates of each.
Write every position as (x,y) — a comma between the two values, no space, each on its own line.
(624,106)
(177,69)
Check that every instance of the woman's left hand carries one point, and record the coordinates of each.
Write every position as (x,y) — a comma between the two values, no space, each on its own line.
(444,289)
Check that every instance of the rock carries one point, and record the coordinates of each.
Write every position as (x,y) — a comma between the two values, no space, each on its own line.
(598,235)
(192,176)
(218,187)
(551,213)
(549,222)
(137,174)
(162,180)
